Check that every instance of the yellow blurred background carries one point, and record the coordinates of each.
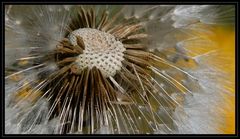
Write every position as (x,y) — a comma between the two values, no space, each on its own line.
(225,37)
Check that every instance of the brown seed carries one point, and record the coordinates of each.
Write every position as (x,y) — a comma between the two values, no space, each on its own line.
(80,42)
(75,69)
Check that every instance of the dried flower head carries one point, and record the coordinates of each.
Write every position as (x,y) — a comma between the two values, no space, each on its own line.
(110,69)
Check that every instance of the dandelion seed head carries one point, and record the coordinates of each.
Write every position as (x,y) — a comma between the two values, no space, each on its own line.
(102,50)
(111,69)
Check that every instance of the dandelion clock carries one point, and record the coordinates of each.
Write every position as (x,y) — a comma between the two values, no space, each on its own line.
(116,69)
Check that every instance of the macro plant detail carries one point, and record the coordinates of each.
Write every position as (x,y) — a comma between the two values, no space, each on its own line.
(111,69)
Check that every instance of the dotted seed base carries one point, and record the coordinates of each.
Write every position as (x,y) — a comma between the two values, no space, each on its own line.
(102,50)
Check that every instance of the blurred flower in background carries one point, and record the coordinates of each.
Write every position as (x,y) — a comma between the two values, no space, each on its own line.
(226,38)
(119,69)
